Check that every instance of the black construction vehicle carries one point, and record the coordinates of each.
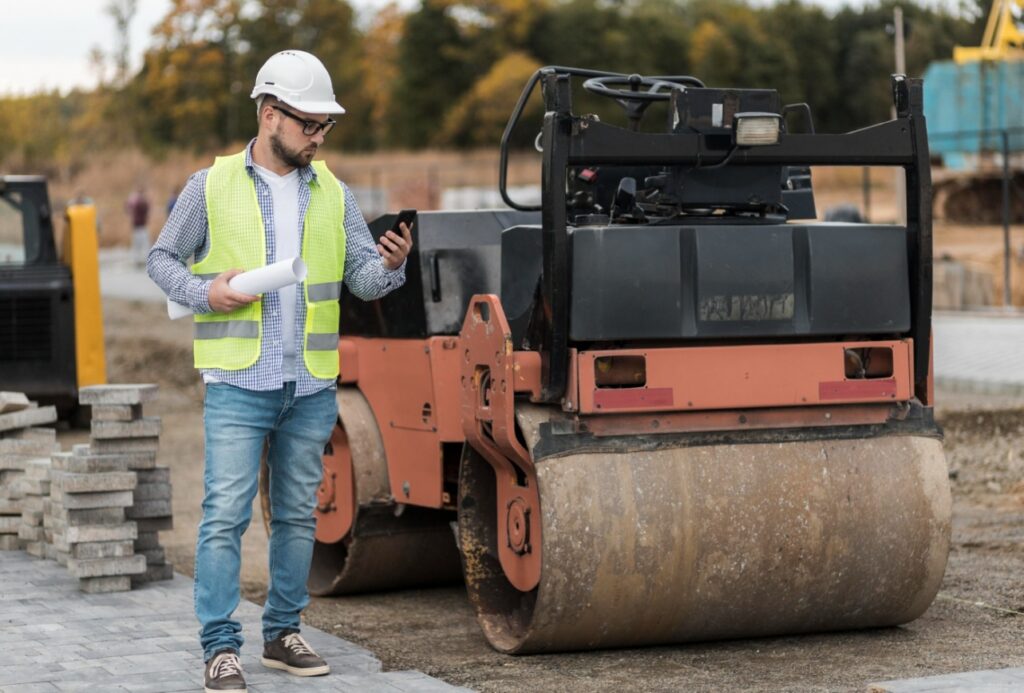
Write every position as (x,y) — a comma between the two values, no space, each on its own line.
(51,325)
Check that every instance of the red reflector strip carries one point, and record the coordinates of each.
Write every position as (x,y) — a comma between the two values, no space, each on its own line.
(857,389)
(633,397)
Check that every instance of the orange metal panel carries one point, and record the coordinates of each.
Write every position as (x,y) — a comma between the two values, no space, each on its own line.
(741,377)
(526,373)
(444,368)
(336,497)
(396,378)
(348,361)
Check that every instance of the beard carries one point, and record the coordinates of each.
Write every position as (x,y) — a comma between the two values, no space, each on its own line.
(295,158)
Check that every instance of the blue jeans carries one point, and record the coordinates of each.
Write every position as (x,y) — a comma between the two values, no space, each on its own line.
(237,422)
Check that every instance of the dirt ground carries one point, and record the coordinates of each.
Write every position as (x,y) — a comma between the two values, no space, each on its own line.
(974,623)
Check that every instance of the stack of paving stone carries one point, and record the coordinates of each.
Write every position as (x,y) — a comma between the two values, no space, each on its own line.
(36,483)
(85,516)
(120,432)
(21,446)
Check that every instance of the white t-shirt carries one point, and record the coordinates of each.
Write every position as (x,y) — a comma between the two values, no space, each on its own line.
(285,193)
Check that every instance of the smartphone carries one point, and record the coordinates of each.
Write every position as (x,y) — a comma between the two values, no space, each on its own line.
(407,216)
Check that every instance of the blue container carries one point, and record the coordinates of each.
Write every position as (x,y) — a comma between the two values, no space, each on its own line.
(968,106)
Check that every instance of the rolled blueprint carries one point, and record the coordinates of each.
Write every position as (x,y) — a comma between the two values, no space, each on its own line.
(257,281)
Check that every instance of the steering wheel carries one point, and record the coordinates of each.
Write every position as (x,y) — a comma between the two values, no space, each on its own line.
(658,88)
(633,99)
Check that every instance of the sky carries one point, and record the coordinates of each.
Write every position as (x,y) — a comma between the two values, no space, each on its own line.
(45,45)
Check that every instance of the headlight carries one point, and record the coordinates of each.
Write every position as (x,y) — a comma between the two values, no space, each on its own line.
(756,129)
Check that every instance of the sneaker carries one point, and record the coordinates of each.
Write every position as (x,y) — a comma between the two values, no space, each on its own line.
(289,652)
(224,673)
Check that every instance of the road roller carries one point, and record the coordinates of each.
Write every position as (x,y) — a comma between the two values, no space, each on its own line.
(664,405)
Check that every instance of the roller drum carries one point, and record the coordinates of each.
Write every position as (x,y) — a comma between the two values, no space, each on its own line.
(713,542)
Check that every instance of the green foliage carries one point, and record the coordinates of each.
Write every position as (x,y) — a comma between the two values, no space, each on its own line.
(449,71)
(484,110)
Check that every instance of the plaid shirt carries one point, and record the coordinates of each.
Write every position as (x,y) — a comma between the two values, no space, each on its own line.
(187,234)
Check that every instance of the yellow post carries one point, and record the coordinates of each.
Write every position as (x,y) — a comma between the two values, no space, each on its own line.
(81,253)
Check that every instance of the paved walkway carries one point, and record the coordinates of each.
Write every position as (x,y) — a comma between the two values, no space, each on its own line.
(55,638)
(980,353)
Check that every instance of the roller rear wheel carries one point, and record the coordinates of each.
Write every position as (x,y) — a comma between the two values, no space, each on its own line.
(365,541)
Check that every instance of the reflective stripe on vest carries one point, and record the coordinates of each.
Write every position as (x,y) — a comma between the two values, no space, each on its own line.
(328,291)
(322,342)
(231,341)
(229,328)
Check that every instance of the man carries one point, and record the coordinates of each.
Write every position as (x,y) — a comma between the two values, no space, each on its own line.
(137,207)
(270,362)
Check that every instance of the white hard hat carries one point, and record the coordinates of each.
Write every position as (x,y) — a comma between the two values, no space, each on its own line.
(300,80)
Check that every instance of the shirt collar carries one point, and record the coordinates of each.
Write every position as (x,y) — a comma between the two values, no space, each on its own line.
(307,173)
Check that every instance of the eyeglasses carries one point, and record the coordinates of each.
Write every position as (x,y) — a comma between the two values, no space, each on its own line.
(309,127)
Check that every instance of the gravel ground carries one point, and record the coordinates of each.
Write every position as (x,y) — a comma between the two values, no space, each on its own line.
(973,623)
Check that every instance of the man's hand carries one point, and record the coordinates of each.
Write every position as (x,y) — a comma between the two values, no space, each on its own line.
(223,298)
(393,248)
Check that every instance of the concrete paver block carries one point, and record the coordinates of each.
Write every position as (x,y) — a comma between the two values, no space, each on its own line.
(116,412)
(28,417)
(124,445)
(127,565)
(69,482)
(103,549)
(13,462)
(64,540)
(10,542)
(131,460)
(86,516)
(117,394)
(157,475)
(29,533)
(146,427)
(153,556)
(104,499)
(149,509)
(38,468)
(145,492)
(13,401)
(27,446)
(155,524)
(43,433)
(35,487)
(105,584)
(146,541)
(83,464)
(33,518)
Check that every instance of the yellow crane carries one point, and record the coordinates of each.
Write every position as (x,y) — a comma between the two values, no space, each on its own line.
(1004,35)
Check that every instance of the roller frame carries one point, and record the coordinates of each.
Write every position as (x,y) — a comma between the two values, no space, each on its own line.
(488,417)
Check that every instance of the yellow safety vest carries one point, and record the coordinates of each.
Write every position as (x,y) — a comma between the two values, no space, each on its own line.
(231,341)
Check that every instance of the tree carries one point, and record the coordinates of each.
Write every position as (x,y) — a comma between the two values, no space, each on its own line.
(434,71)
(479,118)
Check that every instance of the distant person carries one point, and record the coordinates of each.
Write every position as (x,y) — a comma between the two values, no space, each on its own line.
(270,362)
(172,200)
(137,207)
